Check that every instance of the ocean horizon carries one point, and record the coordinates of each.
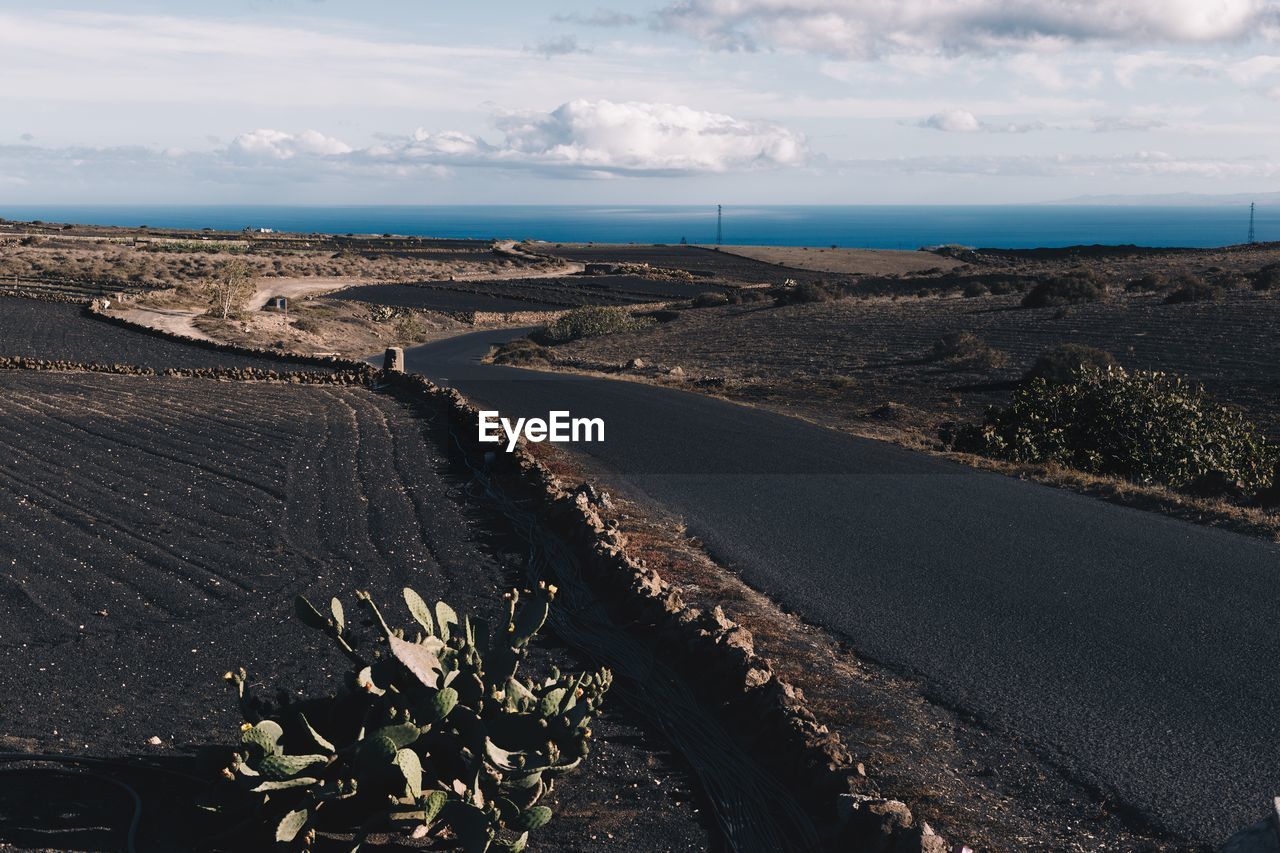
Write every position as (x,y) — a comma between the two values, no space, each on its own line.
(846,226)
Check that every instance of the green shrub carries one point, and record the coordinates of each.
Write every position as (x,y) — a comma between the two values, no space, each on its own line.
(710,299)
(1070,289)
(589,321)
(965,350)
(1147,427)
(1063,362)
(427,734)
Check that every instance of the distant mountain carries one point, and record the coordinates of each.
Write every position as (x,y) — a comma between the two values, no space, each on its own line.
(1176,200)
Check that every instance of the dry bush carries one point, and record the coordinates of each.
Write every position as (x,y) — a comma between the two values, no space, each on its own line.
(965,351)
(1194,290)
(1063,362)
(710,299)
(523,351)
(1070,289)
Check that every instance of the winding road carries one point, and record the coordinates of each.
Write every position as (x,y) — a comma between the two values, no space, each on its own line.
(1138,650)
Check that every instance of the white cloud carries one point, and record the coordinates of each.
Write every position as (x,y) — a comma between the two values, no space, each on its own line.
(279,145)
(635,137)
(953,121)
(598,18)
(578,139)
(1118,124)
(862,28)
(1144,164)
(557,46)
(962,121)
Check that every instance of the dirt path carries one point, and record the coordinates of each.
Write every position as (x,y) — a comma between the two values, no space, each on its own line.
(177,321)
(295,288)
(182,321)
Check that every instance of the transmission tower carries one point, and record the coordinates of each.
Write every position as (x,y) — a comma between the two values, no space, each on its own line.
(1252,237)
(720,223)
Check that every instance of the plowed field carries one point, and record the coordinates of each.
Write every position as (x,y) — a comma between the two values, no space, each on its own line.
(156,530)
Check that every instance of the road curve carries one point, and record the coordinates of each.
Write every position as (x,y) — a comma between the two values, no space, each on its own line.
(1139,650)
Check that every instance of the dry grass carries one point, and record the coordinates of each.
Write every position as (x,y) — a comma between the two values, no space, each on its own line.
(161,265)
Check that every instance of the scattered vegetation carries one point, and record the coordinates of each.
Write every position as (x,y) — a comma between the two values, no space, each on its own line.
(229,288)
(523,351)
(1070,289)
(410,328)
(710,299)
(427,734)
(1063,362)
(589,321)
(964,350)
(1267,278)
(1193,290)
(1147,427)
(809,291)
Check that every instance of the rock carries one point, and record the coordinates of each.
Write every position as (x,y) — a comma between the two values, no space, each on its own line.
(872,824)
(154,741)
(393,359)
(740,638)
(758,674)
(921,839)
(676,373)
(637,364)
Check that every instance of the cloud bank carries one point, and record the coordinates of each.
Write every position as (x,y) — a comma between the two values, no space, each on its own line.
(870,28)
(585,139)
(603,138)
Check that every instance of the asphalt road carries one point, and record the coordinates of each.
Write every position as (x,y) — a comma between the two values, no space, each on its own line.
(1139,650)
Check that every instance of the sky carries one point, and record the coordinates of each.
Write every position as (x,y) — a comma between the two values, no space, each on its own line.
(636,101)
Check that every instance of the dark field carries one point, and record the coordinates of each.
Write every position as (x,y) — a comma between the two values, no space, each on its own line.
(703,263)
(156,531)
(841,359)
(435,298)
(531,294)
(59,331)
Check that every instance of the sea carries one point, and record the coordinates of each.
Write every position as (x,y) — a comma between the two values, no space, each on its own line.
(846,226)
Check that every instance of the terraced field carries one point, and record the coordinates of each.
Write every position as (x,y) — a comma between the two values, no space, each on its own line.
(703,263)
(51,330)
(528,294)
(431,297)
(156,530)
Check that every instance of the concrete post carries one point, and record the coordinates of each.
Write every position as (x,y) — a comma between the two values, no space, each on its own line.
(393,359)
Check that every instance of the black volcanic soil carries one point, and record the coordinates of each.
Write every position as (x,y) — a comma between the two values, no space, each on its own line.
(63,331)
(701,263)
(843,360)
(156,530)
(435,298)
(529,294)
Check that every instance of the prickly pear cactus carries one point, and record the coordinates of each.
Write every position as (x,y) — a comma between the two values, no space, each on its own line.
(434,730)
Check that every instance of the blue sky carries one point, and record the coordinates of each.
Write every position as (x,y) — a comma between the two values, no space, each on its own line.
(669,101)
